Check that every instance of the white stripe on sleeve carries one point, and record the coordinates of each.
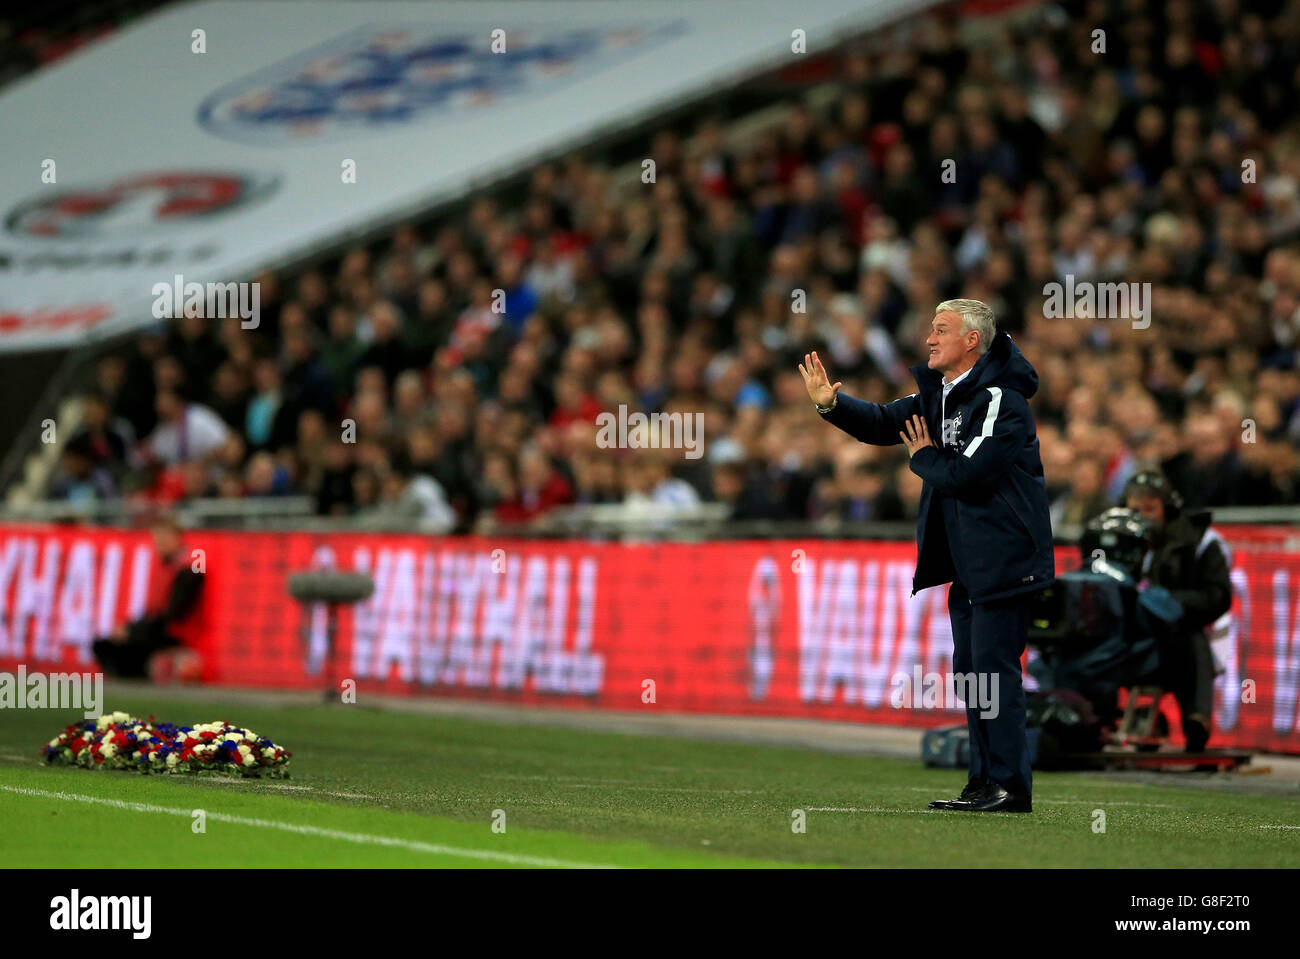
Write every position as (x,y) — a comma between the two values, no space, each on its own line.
(990,418)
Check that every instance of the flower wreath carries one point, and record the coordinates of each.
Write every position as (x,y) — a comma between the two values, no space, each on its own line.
(120,741)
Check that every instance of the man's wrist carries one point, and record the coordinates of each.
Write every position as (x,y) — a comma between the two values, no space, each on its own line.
(826,409)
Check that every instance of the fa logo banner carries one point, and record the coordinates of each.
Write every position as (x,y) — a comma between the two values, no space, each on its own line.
(950,429)
(380,77)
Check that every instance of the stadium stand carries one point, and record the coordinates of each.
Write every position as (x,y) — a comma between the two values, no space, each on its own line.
(39,35)
(676,296)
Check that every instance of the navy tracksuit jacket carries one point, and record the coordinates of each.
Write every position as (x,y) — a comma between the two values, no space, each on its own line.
(983,526)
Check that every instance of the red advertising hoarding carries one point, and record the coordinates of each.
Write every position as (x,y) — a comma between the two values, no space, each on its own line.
(808,629)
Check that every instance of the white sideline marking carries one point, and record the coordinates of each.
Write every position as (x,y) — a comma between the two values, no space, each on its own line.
(1279,827)
(664,789)
(585,782)
(581,779)
(265,785)
(357,837)
(1103,802)
(1072,801)
(249,781)
(864,809)
(1080,802)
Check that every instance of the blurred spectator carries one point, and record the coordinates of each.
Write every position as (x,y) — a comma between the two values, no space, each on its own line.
(80,480)
(185,430)
(1085,497)
(104,440)
(652,492)
(407,493)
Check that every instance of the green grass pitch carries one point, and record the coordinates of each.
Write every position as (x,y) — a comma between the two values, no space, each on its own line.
(381,788)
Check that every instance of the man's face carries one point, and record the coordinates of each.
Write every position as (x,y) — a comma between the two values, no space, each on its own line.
(169,406)
(94,414)
(76,465)
(1150,506)
(1206,441)
(947,344)
(166,539)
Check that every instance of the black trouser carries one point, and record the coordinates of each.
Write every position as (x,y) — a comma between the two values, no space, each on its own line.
(1187,671)
(988,640)
(130,659)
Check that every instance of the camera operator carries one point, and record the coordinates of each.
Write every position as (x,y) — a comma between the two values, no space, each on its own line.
(1188,559)
(1095,630)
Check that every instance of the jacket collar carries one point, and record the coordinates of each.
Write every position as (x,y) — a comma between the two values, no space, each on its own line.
(931,381)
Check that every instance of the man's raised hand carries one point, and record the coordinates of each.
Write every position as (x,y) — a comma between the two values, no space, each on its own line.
(815,379)
(916,434)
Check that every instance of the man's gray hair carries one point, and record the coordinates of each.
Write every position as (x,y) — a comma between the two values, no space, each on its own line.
(975,315)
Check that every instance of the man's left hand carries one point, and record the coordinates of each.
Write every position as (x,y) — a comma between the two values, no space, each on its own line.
(915,434)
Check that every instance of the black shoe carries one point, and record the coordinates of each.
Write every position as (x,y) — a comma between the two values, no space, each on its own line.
(993,799)
(1196,734)
(973,788)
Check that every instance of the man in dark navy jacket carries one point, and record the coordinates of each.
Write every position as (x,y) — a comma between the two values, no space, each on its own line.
(983,523)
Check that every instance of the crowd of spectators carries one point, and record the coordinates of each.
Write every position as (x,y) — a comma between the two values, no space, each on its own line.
(36,35)
(399,379)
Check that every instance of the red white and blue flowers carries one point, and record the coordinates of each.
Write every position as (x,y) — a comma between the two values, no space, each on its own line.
(120,741)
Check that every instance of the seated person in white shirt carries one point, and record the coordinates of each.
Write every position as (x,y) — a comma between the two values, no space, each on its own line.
(186,431)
